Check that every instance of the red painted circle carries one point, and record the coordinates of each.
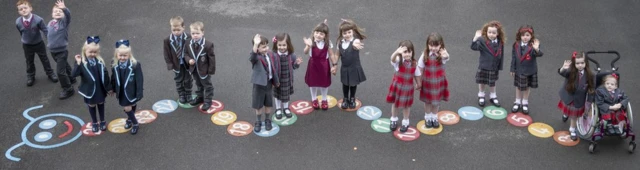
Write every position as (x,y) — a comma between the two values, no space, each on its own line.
(519,119)
(216,106)
(301,107)
(87,130)
(411,134)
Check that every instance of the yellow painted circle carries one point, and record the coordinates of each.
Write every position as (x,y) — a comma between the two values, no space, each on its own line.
(223,118)
(330,99)
(428,131)
(541,130)
(117,125)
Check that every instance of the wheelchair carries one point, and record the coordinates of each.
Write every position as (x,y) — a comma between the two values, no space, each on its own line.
(590,126)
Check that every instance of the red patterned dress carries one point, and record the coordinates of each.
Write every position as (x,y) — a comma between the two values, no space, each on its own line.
(434,82)
(401,89)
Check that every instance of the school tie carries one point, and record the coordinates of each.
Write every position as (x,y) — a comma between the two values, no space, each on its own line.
(122,65)
(612,94)
(407,63)
(197,47)
(53,22)
(25,23)
(92,62)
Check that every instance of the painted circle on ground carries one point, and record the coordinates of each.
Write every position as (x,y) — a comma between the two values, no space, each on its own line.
(369,113)
(519,119)
(541,130)
(330,100)
(117,125)
(411,134)
(42,136)
(358,105)
(495,113)
(284,121)
(223,118)
(146,116)
(381,125)
(47,124)
(428,131)
(186,105)
(165,106)
(240,128)
(216,106)
(564,138)
(470,113)
(448,118)
(301,107)
(87,130)
(264,133)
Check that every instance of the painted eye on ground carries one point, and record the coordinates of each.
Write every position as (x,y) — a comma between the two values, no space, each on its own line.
(42,136)
(47,124)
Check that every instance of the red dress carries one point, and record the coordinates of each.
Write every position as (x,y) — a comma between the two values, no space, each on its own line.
(318,71)
(401,88)
(434,82)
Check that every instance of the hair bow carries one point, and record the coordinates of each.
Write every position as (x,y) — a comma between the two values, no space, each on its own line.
(574,54)
(122,42)
(526,30)
(93,39)
(614,75)
(275,40)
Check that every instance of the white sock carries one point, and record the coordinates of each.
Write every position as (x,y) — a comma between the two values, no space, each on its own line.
(324,93)
(481,94)
(434,116)
(278,103)
(525,102)
(285,105)
(405,122)
(394,118)
(571,129)
(427,116)
(493,95)
(518,101)
(314,93)
(621,126)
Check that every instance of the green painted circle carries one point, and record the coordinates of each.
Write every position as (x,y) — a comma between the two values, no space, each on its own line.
(381,125)
(284,121)
(494,112)
(186,105)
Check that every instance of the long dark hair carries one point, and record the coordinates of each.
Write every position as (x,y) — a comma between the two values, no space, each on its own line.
(280,37)
(574,73)
(434,39)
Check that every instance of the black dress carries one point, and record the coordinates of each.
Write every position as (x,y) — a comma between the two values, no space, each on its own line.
(351,72)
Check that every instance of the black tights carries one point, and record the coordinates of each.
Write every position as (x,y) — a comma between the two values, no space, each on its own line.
(349,91)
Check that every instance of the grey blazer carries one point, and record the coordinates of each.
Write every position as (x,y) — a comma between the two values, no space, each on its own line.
(604,99)
(488,59)
(579,96)
(260,74)
(523,60)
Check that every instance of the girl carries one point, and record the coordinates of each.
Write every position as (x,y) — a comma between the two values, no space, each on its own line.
(284,66)
(578,82)
(612,103)
(524,68)
(490,43)
(434,82)
(318,75)
(351,73)
(95,80)
(402,86)
(127,81)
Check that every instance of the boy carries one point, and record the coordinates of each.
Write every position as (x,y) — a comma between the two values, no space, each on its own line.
(174,46)
(263,78)
(57,40)
(29,25)
(202,63)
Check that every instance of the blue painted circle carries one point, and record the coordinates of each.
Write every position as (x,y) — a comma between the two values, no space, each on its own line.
(42,136)
(264,133)
(470,113)
(47,124)
(23,135)
(369,113)
(165,106)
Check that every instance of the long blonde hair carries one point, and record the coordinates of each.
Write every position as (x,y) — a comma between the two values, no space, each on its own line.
(123,49)
(84,49)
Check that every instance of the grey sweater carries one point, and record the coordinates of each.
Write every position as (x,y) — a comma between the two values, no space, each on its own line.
(31,35)
(57,38)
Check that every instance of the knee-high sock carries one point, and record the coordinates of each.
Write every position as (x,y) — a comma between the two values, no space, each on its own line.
(92,112)
(352,91)
(345,91)
(314,93)
(324,90)
(101,111)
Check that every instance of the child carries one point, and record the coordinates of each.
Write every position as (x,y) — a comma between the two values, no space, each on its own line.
(490,43)
(402,86)
(434,81)
(174,46)
(318,75)
(29,25)
(57,37)
(263,78)
(351,73)
(524,68)
(612,103)
(578,84)
(95,82)
(284,65)
(127,81)
(203,64)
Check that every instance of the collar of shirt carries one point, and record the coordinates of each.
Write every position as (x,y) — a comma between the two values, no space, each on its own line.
(432,54)
(494,41)
(344,40)
(286,53)
(320,43)
(199,42)
(582,72)
(27,18)
(523,44)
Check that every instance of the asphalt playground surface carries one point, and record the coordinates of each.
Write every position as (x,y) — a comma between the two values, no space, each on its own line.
(333,139)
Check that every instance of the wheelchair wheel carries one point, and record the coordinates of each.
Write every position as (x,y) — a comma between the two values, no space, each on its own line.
(630,116)
(588,123)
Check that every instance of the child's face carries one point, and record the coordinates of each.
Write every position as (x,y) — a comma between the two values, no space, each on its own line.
(123,56)
(282,46)
(611,84)
(492,33)
(177,29)
(580,63)
(348,34)
(262,48)
(57,13)
(318,36)
(196,34)
(526,37)
(407,54)
(91,51)
(434,48)
(24,10)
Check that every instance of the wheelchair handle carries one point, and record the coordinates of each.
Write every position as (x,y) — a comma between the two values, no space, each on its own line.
(613,62)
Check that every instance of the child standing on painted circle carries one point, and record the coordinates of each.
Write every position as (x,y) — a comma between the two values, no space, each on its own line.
(351,72)
(490,43)
(284,64)
(264,79)
(127,81)
(577,90)
(57,40)
(405,81)
(434,84)
(612,103)
(318,75)
(95,83)
(29,25)
(174,56)
(202,65)
(524,67)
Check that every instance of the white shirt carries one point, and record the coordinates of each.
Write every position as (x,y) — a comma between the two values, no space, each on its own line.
(320,45)
(269,66)
(494,41)
(396,66)
(279,53)
(345,43)
(523,44)
(27,19)
(421,61)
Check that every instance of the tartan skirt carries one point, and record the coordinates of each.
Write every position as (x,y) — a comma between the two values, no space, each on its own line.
(487,77)
(615,116)
(434,84)
(285,90)
(569,110)
(523,82)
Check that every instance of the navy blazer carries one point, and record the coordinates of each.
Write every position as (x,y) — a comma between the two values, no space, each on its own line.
(604,99)
(524,64)
(580,96)
(88,81)
(292,64)
(260,74)
(134,81)
(490,58)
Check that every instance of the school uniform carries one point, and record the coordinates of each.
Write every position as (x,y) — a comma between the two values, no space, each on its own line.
(57,37)
(284,65)
(402,86)
(318,69)
(263,78)
(33,44)
(524,65)
(434,81)
(95,82)
(204,67)
(351,72)
(573,104)
(174,56)
(127,82)
(490,60)
(605,99)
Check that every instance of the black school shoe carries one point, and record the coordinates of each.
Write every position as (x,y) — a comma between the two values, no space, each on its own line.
(393,126)
(134,130)
(182,99)
(64,94)
(287,113)
(404,128)
(515,108)
(128,124)
(31,81)
(435,123)
(564,118)
(481,101)
(345,103)
(267,124)
(53,78)
(352,103)
(103,126)
(94,127)
(278,113)
(206,106)
(495,102)
(428,123)
(197,101)
(257,126)
(525,109)
(574,136)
